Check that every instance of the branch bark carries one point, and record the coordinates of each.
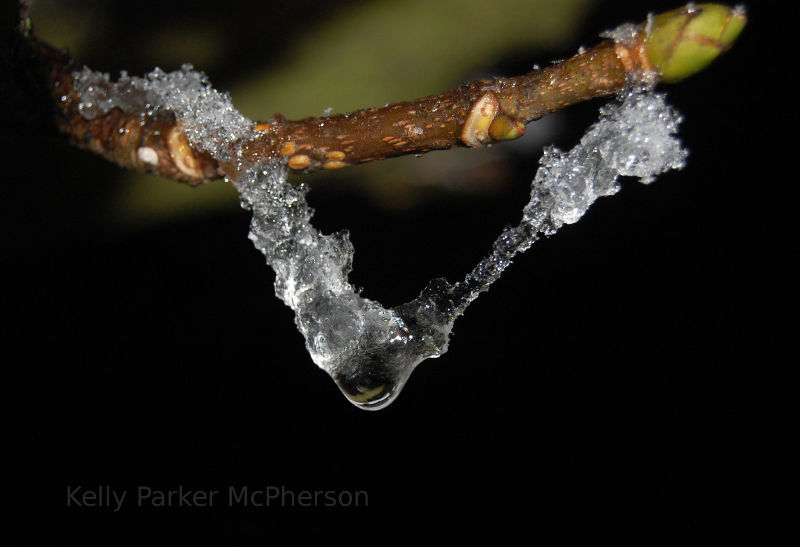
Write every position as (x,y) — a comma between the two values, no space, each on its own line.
(667,47)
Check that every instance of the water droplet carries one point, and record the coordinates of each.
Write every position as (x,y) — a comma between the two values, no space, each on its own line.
(372,383)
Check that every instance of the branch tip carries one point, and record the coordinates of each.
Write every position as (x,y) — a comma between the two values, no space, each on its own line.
(684,41)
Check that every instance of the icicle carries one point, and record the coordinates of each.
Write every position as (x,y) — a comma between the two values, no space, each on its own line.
(369,350)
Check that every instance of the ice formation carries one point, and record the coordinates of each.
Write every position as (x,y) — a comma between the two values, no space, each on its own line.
(369,350)
(210,121)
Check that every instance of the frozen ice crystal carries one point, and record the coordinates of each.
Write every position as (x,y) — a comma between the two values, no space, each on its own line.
(625,33)
(633,137)
(210,121)
(369,350)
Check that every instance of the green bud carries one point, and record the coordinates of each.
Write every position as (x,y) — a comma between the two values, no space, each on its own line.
(504,128)
(684,41)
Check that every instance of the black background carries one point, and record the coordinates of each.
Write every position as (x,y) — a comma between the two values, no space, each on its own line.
(638,371)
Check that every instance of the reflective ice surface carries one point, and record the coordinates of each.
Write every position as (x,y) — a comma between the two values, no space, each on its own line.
(369,350)
(210,121)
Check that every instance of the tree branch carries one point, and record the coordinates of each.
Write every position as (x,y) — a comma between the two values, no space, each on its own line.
(668,47)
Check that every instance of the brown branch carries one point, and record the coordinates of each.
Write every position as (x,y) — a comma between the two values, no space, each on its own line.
(153,144)
(473,115)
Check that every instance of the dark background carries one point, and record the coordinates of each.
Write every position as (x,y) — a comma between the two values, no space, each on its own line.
(637,371)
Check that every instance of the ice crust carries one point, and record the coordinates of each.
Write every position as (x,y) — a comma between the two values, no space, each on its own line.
(369,350)
(210,121)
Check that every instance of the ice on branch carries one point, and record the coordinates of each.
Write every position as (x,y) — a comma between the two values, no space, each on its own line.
(369,350)
(635,136)
(210,121)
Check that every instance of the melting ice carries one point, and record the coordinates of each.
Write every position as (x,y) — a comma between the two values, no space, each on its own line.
(369,350)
